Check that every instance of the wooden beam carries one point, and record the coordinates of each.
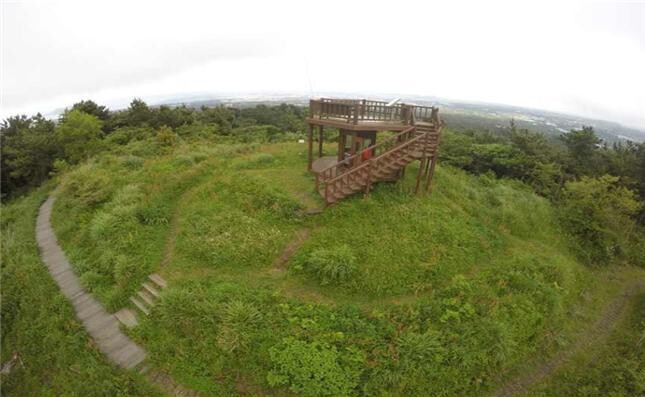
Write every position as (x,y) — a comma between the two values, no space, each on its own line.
(421,167)
(320,140)
(430,174)
(341,144)
(310,148)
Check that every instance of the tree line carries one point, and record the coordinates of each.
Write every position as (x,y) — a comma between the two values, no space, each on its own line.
(32,146)
(597,188)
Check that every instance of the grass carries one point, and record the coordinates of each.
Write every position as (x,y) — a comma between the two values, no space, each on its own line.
(396,294)
(615,368)
(38,323)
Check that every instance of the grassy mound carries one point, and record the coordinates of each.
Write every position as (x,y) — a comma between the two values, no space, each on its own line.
(396,294)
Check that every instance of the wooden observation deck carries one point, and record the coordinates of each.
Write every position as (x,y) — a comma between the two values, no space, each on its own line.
(360,160)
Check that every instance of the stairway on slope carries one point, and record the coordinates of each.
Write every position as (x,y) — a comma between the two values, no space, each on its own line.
(422,144)
(143,301)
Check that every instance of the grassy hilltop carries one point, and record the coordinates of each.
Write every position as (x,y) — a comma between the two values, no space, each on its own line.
(394,294)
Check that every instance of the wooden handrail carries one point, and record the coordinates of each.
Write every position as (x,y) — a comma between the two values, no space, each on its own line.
(350,159)
(380,156)
(356,110)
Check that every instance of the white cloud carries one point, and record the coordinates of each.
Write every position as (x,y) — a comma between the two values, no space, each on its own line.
(566,56)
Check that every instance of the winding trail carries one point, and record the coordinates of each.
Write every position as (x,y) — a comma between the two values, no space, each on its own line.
(609,319)
(102,326)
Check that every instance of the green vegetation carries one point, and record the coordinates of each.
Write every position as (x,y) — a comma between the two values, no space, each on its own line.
(616,368)
(56,356)
(395,294)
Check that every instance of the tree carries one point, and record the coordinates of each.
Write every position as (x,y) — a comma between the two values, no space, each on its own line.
(28,149)
(138,114)
(101,112)
(583,148)
(79,135)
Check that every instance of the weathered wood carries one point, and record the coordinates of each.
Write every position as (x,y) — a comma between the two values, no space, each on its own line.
(310,146)
(102,326)
(419,130)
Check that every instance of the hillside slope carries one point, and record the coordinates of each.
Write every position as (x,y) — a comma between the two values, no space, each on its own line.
(399,294)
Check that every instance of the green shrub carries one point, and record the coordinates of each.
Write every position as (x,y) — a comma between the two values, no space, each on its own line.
(183,160)
(132,162)
(259,161)
(166,137)
(88,185)
(153,214)
(237,321)
(598,213)
(314,369)
(125,135)
(335,266)
(199,156)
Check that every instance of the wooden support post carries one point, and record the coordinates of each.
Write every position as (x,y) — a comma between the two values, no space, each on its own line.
(430,174)
(320,141)
(342,140)
(421,167)
(427,169)
(310,149)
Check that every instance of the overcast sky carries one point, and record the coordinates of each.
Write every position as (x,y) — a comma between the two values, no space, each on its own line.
(585,58)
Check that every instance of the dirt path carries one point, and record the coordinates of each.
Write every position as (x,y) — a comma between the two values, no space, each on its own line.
(301,236)
(594,335)
(173,232)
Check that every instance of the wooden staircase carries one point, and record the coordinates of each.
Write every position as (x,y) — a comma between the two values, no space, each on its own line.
(385,161)
(143,301)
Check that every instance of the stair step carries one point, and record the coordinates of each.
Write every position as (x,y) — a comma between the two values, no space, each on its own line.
(151,289)
(127,317)
(140,305)
(158,280)
(149,299)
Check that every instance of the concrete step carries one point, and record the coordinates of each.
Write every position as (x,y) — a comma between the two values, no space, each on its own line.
(158,280)
(140,305)
(146,297)
(151,289)
(127,317)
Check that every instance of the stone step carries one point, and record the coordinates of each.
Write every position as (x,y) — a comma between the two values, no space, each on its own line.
(140,305)
(146,297)
(158,280)
(127,317)
(151,289)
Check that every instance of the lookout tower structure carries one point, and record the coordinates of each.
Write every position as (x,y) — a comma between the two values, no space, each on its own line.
(376,141)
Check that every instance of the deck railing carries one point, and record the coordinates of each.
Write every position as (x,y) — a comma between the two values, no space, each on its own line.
(364,155)
(356,110)
(387,153)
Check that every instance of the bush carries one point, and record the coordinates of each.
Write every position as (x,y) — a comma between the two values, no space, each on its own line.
(132,162)
(314,369)
(335,266)
(184,160)
(88,185)
(238,320)
(598,213)
(260,161)
(166,137)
